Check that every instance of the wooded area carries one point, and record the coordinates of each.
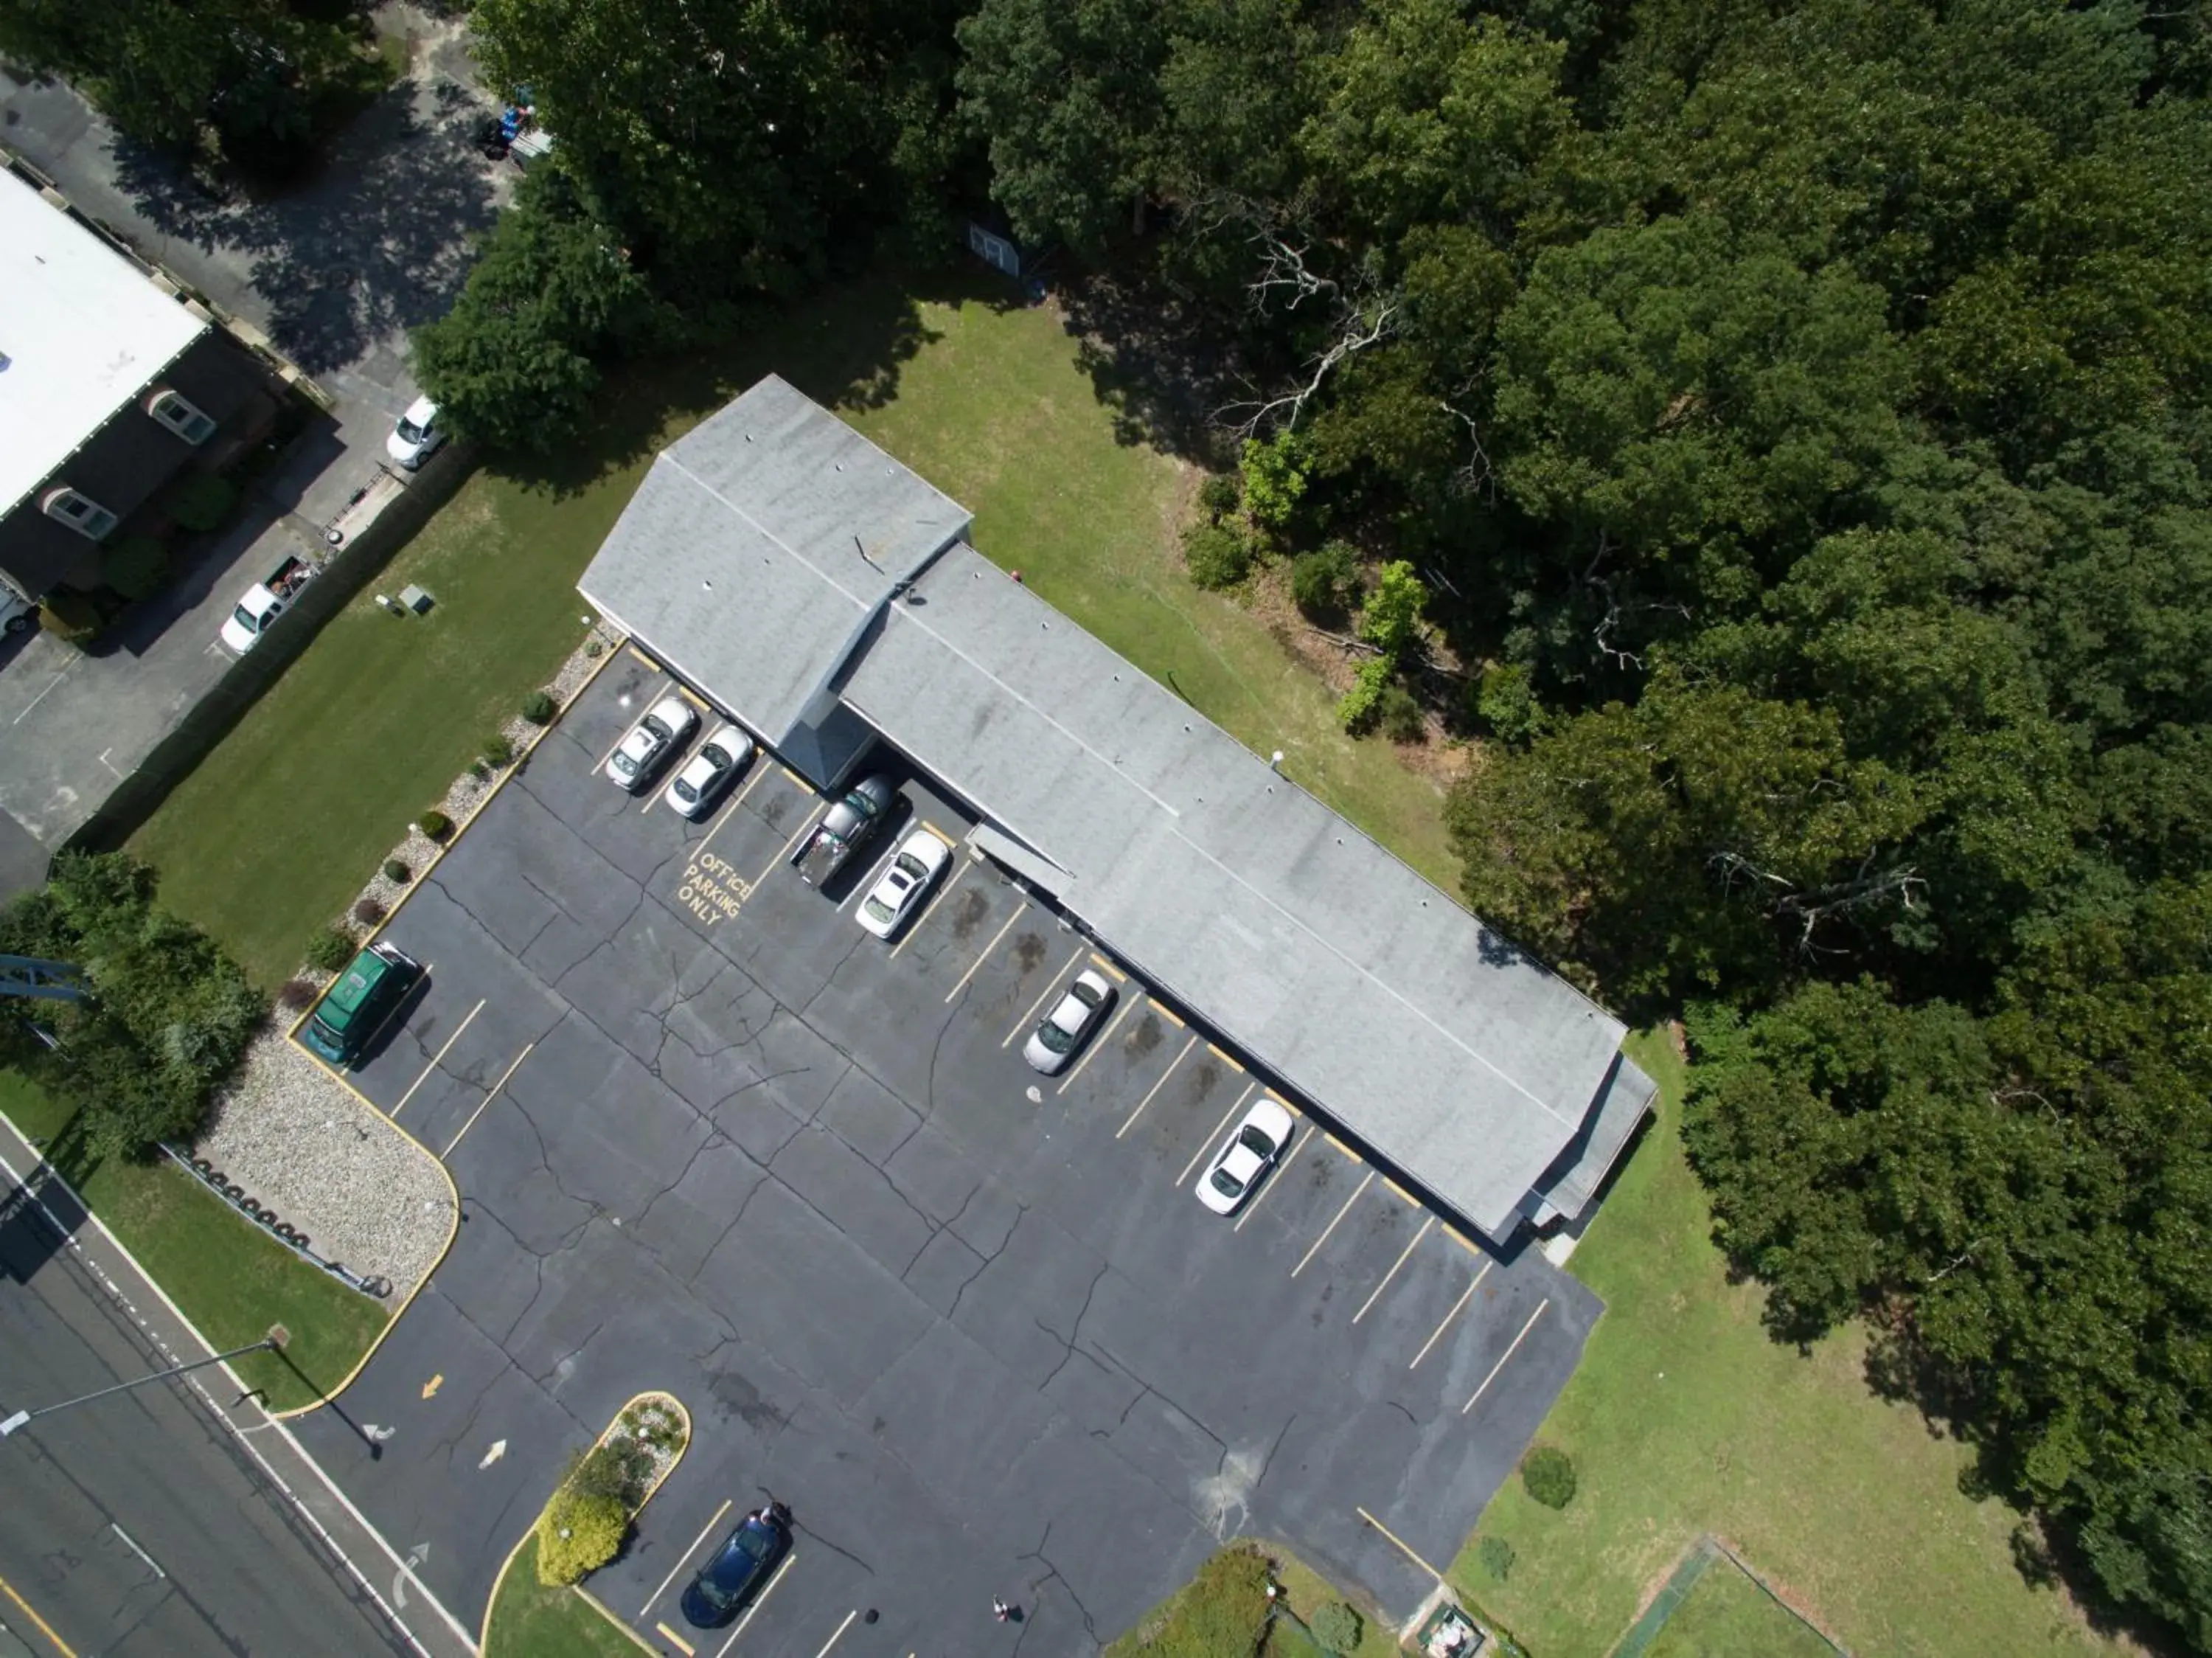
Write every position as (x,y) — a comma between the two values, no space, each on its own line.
(1799,408)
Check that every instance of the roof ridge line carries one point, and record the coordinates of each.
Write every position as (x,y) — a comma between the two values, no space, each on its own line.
(766,533)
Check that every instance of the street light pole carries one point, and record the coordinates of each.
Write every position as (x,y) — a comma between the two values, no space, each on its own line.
(269,1343)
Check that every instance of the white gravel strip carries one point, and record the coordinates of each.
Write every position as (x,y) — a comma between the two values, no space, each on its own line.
(301,1143)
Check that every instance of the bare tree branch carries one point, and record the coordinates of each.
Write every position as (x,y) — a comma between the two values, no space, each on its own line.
(1361,324)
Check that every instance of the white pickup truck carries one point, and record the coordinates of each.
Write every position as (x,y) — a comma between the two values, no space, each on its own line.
(264,601)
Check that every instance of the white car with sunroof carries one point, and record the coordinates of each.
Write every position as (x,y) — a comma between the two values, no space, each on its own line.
(1246,1157)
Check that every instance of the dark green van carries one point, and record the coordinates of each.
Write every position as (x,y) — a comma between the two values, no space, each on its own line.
(354,1009)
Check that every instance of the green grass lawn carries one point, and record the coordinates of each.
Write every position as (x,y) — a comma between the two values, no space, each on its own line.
(1685,1418)
(1726,1615)
(277,829)
(230,1278)
(528,1620)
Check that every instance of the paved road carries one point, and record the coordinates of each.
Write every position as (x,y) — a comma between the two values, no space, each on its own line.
(138,1524)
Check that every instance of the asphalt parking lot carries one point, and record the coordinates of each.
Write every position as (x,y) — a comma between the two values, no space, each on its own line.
(970,1323)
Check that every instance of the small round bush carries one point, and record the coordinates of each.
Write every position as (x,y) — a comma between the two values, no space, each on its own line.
(1336,1626)
(1548,1475)
(296,994)
(592,648)
(202,501)
(1322,582)
(435,824)
(330,949)
(367,912)
(1497,1556)
(538,708)
(1505,704)
(1218,555)
(1219,496)
(395,871)
(1398,716)
(497,750)
(136,566)
(579,1532)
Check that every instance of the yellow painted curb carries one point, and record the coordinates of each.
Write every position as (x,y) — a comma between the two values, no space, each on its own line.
(483,1629)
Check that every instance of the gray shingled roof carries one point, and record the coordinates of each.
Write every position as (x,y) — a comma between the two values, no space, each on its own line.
(1369,992)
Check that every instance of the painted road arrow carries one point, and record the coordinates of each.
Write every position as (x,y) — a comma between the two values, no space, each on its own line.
(415,1556)
(498,1450)
(430,1387)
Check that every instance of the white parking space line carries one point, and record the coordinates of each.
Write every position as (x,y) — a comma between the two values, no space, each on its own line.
(1331,1226)
(759,1600)
(488,1099)
(628,726)
(1393,1272)
(1103,1038)
(1019,911)
(1276,1179)
(840,1635)
(760,770)
(1156,1088)
(1206,1144)
(1508,1354)
(1023,1023)
(1464,1299)
(935,899)
(437,1059)
(862,888)
(685,1556)
(805,829)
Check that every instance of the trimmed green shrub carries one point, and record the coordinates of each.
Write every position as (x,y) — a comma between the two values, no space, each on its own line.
(1323,582)
(579,1532)
(1218,555)
(497,750)
(331,949)
(367,912)
(538,708)
(1358,707)
(136,567)
(1336,1626)
(593,649)
(396,870)
(1390,620)
(1497,1556)
(1221,1614)
(435,824)
(201,501)
(1548,1475)
(1219,496)
(1398,715)
(1274,477)
(1505,704)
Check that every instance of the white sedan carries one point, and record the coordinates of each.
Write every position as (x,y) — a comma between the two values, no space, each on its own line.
(1256,1147)
(694,790)
(1069,1025)
(913,871)
(650,741)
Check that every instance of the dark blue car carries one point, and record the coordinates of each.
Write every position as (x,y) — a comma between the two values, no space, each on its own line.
(735,1574)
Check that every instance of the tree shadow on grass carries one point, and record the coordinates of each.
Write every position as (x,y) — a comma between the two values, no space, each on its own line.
(1161,361)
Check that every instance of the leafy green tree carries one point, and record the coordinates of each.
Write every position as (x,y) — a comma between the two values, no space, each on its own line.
(1390,620)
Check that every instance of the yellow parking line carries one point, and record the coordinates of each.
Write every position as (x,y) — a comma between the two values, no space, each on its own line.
(1155,1088)
(935,899)
(697,702)
(1343,1148)
(31,1613)
(1401,1548)
(676,1640)
(1393,1272)
(949,842)
(794,776)
(1506,1355)
(1467,1244)
(759,1600)
(1466,1296)
(1332,1225)
(488,1099)
(1105,1036)
(642,657)
(1223,1057)
(1204,1144)
(1099,960)
(437,1059)
(1161,1009)
(731,810)
(1023,1023)
(805,829)
(1275,1179)
(1020,910)
(1401,1191)
(685,1556)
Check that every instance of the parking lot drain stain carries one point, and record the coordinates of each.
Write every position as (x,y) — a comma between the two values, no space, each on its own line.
(974,906)
(1146,1037)
(1029,950)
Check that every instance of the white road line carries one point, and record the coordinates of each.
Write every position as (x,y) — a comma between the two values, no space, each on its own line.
(1105,1036)
(1023,1023)
(840,1635)
(1508,1354)
(1393,1272)
(1206,1144)
(41,698)
(136,1550)
(760,770)
(487,1099)
(1156,1087)
(1019,911)
(935,899)
(1331,1226)
(685,1556)
(805,829)
(1464,1299)
(1276,1179)
(759,1600)
(437,1058)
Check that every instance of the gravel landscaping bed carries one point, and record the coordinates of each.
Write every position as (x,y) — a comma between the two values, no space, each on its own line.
(302,1144)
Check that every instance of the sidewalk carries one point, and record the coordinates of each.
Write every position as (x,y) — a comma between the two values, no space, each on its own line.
(353,1544)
